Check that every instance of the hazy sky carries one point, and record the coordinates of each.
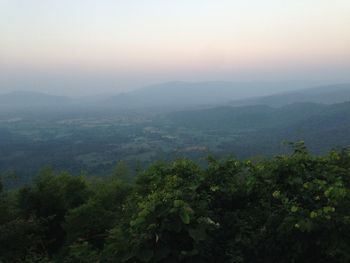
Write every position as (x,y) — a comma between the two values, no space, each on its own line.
(95,46)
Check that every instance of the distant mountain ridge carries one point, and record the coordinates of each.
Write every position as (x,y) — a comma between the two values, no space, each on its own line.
(328,94)
(196,93)
(186,95)
(256,128)
(24,98)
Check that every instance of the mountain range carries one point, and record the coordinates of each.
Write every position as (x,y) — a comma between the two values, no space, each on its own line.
(328,94)
(182,95)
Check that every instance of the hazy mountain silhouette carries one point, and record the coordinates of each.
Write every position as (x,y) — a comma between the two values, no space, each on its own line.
(324,94)
(197,93)
(30,98)
(184,95)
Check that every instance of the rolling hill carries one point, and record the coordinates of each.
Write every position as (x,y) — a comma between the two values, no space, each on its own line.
(259,129)
(194,94)
(31,98)
(324,94)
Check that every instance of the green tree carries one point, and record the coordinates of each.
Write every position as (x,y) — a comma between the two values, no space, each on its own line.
(49,199)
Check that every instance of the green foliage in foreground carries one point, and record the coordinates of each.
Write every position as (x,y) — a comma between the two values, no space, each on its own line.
(288,209)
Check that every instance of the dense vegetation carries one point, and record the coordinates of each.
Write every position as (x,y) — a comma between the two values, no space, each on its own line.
(290,208)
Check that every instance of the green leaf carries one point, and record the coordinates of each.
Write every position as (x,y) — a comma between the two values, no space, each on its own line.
(294,209)
(185,217)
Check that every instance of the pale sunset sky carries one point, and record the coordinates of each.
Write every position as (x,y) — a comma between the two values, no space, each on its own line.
(92,46)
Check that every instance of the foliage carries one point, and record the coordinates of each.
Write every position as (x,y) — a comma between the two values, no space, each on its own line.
(290,208)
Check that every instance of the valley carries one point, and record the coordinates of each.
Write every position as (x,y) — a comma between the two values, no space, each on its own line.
(94,141)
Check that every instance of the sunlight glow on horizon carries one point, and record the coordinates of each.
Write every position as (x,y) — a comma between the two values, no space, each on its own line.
(174,36)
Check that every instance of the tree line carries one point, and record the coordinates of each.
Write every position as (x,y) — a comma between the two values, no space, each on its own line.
(289,208)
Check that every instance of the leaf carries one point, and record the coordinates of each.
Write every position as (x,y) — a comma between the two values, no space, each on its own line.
(178,203)
(276,194)
(313,214)
(185,217)
(294,209)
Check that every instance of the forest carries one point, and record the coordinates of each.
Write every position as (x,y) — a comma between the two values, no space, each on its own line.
(287,208)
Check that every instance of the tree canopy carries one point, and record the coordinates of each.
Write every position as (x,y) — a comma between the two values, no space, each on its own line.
(290,208)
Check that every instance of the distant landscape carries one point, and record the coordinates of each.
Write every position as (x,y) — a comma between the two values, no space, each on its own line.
(193,131)
(164,122)
(159,175)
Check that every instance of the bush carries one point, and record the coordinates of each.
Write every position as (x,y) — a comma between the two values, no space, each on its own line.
(292,208)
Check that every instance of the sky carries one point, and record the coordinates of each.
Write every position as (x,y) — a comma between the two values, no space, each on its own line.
(100,46)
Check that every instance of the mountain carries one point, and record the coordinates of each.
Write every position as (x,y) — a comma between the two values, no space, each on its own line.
(324,94)
(257,129)
(174,96)
(193,94)
(30,98)
(36,105)
(183,95)
(245,117)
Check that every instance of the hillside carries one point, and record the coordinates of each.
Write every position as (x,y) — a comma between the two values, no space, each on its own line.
(252,130)
(174,96)
(194,94)
(30,98)
(324,94)
(257,116)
